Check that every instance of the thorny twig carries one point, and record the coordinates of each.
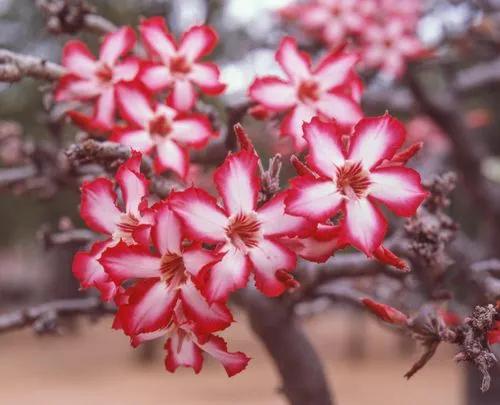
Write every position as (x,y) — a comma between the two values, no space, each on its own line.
(71,16)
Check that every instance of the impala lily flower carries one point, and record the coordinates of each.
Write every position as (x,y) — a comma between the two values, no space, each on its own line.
(155,126)
(247,236)
(352,180)
(185,347)
(163,279)
(89,79)
(100,212)
(334,20)
(178,66)
(389,45)
(327,90)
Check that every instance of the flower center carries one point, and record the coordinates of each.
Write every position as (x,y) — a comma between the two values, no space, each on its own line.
(335,11)
(308,91)
(104,73)
(172,269)
(125,228)
(388,43)
(160,126)
(244,231)
(352,180)
(179,65)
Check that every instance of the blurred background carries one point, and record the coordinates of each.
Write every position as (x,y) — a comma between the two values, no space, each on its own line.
(365,361)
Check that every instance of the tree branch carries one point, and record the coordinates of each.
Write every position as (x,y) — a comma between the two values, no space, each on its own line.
(303,378)
(15,66)
(44,317)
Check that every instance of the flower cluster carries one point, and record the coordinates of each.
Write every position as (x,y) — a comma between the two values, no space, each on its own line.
(171,265)
(384,31)
(145,103)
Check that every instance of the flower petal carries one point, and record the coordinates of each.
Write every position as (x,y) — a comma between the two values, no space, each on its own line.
(134,104)
(334,69)
(127,70)
(376,139)
(273,93)
(325,146)
(206,76)
(198,42)
(207,318)
(167,231)
(233,363)
(319,247)
(182,351)
(155,77)
(399,188)
(123,262)
(198,210)
(293,122)
(116,44)
(172,156)
(90,272)
(226,276)
(134,187)
(88,123)
(183,96)
(77,58)
(296,64)
(71,87)
(276,222)
(138,140)
(104,114)
(98,206)
(365,226)
(317,200)
(342,108)
(267,258)
(197,259)
(157,39)
(149,307)
(237,182)
(193,130)
(136,340)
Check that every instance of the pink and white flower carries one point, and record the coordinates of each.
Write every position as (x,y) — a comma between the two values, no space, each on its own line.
(388,45)
(247,236)
(353,180)
(154,126)
(163,279)
(329,90)
(185,347)
(334,20)
(91,79)
(177,66)
(101,213)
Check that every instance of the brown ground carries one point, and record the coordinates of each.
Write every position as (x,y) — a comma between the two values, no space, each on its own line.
(96,366)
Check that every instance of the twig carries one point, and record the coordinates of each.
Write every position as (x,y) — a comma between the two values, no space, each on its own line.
(43,318)
(15,66)
(430,349)
(65,16)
